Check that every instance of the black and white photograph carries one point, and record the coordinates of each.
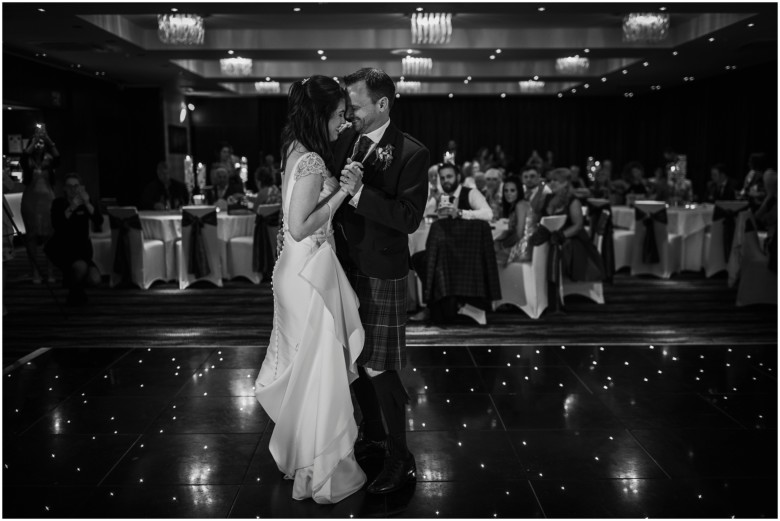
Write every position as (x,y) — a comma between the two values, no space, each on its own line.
(389,260)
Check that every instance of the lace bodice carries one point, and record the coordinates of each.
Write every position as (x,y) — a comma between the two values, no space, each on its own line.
(311,163)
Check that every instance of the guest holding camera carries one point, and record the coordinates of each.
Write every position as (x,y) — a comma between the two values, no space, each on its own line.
(70,248)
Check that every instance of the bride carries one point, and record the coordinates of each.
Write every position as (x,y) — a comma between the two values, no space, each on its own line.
(316,338)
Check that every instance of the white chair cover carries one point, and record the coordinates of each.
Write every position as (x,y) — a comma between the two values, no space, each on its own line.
(212,272)
(524,284)
(146,256)
(713,259)
(757,283)
(669,245)
(624,244)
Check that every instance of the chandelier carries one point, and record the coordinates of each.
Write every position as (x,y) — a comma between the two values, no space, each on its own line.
(408,87)
(645,27)
(267,87)
(433,28)
(531,86)
(572,65)
(416,66)
(236,66)
(180,29)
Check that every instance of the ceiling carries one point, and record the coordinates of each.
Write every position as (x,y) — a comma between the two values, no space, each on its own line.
(118,42)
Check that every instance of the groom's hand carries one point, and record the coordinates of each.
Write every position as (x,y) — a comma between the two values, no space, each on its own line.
(352,177)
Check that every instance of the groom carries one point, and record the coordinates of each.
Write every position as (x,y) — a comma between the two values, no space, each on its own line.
(385,173)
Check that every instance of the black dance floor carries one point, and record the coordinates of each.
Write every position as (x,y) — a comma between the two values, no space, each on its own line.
(497,431)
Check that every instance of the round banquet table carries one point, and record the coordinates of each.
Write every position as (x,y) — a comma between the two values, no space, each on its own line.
(166,226)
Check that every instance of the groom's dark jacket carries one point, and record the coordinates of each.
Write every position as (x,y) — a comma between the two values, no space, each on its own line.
(374,237)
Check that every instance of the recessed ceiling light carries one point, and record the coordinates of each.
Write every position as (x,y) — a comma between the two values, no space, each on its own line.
(323,58)
(297,9)
(712,39)
(320,52)
(560,95)
(191,106)
(536,78)
(573,91)
(397,94)
(42,11)
(450,94)
(465,82)
(10,108)
(231,51)
(419,9)
(503,94)
(674,53)
(603,79)
(335,78)
(492,56)
(541,9)
(498,51)
(662,8)
(174,10)
(586,50)
(468,78)
(751,24)
(625,71)
(646,64)
(267,78)
(586,86)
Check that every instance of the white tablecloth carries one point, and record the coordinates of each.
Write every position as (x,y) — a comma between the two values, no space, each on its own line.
(166,226)
(682,221)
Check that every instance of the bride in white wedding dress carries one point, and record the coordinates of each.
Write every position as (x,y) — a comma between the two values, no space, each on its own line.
(317,336)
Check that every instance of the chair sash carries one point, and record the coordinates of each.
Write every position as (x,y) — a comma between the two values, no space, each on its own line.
(729,218)
(262,253)
(198,262)
(122,255)
(601,226)
(650,253)
(554,260)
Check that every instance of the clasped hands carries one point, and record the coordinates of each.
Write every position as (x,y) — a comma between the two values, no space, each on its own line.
(352,177)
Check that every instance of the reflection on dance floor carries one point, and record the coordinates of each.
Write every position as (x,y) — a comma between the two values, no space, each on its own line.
(498,431)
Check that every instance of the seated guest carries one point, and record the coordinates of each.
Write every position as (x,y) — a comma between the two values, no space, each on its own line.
(229,161)
(634,175)
(164,193)
(766,216)
(512,244)
(493,191)
(70,248)
(456,202)
(581,260)
(658,187)
(224,192)
(601,188)
(753,186)
(721,186)
(266,191)
(480,183)
(578,184)
(434,190)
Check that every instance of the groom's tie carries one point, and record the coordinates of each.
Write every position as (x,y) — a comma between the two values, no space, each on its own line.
(361,149)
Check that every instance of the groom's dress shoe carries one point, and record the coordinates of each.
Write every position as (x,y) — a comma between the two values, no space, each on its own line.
(396,473)
(365,449)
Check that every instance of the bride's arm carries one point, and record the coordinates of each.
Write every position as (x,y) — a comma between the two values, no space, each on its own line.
(306,215)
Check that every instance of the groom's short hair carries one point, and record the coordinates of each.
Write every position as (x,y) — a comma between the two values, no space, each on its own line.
(378,83)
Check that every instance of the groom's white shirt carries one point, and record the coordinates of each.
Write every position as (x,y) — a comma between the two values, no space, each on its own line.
(376,137)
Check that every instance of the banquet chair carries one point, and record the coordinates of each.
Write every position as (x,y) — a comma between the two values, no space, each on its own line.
(101,246)
(728,218)
(757,283)
(198,251)
(524,284)
(141,260)
(253,256)
(658,254)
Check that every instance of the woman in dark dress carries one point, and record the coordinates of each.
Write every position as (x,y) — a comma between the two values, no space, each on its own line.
(70,248)
(581,260)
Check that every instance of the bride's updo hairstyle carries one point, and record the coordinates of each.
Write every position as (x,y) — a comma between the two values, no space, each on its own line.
(310,103)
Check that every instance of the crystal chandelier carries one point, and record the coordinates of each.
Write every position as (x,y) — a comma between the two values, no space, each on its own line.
(433,28)
(645,27)
(572,65)
(236,66)
(267,87)
(408,87)
(416,66)
(531,86)
(180,29)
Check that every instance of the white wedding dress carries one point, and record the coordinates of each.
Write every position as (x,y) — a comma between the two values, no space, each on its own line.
(316,338)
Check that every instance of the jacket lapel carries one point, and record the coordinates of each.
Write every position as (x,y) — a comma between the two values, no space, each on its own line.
(372,167)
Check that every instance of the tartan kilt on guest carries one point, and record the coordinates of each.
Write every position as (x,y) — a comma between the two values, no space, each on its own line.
(383,315)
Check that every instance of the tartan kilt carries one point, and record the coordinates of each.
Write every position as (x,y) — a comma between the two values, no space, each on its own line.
(383,315)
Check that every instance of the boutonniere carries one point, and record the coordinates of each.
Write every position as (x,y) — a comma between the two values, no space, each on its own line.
(384,156)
